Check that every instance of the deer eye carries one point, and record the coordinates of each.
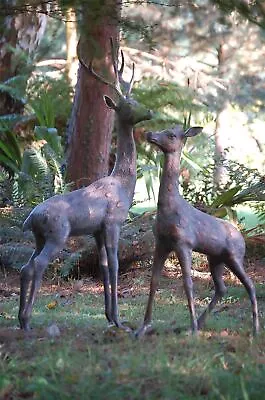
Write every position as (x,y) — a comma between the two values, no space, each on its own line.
(171,135)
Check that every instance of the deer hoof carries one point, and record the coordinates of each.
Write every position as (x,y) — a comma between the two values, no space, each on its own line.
(120,325)
(142,331)
(124,327)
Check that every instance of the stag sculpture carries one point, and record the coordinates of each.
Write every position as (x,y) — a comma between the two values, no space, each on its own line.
(181,228)
(99,209)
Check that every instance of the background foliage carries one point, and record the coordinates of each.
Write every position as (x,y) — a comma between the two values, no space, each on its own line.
(191,69)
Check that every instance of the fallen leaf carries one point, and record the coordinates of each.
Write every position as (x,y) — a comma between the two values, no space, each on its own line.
(53,304)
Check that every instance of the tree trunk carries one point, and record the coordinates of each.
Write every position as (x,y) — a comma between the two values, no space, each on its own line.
(90,126)
(22,33)
(220,175)
(220,172)
(71,43)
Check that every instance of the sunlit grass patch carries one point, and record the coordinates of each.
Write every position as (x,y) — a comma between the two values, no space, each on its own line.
(89,360)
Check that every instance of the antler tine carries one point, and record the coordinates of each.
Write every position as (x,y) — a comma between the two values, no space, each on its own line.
(130,85)
(121,83)
(115,66)
(101,79)
(90,69)
(125,85)
(122,65)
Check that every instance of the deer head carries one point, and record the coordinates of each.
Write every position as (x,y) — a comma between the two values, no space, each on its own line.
(172,140)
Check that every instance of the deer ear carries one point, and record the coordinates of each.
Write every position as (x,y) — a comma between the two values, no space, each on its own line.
(110,103)
(193,131)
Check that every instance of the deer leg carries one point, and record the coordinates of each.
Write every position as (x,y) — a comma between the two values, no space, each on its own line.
(38,266)
(26,275)
(112,234)
(160,257)
(185,259)
(103,262)
(237,268)
(217,270)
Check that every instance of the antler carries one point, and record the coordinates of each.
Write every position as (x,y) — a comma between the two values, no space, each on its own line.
(126,85)
(120,82)
(132,80)
(90,69)
(114,63)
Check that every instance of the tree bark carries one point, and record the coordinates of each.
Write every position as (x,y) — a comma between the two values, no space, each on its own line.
(20,32)
(90,126)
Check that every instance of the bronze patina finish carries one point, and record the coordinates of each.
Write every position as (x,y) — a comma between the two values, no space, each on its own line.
(182,228)
(99,209)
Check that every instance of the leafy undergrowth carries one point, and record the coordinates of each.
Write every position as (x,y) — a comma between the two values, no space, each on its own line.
(71,353)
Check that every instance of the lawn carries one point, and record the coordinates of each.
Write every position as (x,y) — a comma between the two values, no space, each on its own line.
(71,353)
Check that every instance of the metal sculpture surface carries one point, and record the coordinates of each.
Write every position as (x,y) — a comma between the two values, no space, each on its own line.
(181,228)
(99,209)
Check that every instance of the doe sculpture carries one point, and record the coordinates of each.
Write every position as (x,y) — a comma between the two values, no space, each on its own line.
(181,228)
(98,209)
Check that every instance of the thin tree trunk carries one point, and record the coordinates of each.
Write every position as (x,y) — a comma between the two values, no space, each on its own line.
(71,43)
(220,176)
(90,126)
(220,172)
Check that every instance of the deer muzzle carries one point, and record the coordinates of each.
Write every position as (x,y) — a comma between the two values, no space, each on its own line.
(151,137)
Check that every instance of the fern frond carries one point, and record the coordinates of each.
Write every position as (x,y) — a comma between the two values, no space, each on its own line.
(18,191)
(259,209)
(14,256)
(50,135)
(9,233)
(255,192)
(16,81)
(35,164)
(13,92)
(8,120)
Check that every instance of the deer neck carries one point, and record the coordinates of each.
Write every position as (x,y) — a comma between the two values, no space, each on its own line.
(125,165)
(169,184)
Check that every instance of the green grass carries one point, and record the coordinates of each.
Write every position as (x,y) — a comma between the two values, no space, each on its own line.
(92,361)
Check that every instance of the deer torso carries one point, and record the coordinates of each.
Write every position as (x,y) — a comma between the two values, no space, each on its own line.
(179,223)
(87,210)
